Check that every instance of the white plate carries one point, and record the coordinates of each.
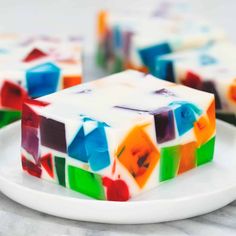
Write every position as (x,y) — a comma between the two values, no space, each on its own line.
(199,191)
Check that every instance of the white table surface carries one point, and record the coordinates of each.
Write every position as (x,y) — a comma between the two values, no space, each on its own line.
(64,16)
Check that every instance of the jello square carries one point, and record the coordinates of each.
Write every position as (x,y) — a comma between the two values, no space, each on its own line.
(117,137)
(210,68)
(34,66)
(134,41)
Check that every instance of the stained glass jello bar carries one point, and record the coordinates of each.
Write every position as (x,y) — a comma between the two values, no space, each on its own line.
(134,42)
(31,67)
(211,69)
(116,137)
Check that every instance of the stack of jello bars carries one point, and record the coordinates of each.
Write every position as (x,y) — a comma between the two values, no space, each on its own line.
(34,66)
(174,47)
(119,136)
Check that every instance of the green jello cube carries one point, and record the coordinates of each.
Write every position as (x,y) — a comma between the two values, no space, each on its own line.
(85,182)
(169,162)
(8,116)
(205,153)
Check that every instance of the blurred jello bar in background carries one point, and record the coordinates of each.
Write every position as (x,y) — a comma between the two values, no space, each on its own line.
(133,40)
(34,66)
(211,69)
(119,136)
